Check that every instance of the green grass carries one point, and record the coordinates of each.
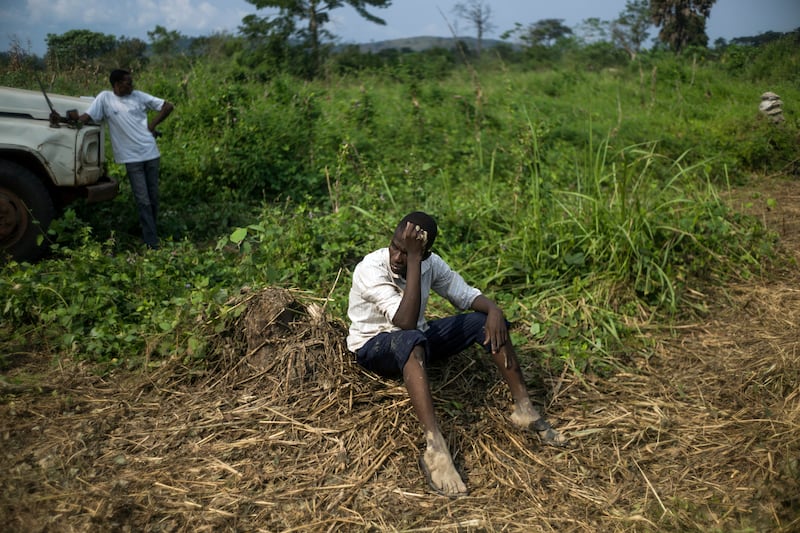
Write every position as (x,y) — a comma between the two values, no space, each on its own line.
(585,202)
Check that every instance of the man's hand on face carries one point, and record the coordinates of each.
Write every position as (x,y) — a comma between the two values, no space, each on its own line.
(414,239)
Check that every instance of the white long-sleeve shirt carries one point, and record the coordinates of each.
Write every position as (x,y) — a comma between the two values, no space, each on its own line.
(376,293)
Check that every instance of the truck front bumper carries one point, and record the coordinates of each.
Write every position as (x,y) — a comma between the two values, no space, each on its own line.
(105,189)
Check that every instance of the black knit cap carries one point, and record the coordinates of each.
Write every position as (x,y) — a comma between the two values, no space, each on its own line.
(424,221)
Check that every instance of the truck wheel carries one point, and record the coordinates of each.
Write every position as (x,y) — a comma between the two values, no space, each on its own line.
(26,210)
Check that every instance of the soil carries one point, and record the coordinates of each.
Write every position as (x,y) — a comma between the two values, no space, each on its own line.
(284,433)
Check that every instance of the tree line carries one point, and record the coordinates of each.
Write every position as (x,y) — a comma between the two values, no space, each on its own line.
(294,38)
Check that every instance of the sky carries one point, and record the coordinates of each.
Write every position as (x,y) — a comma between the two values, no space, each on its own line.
(29,21)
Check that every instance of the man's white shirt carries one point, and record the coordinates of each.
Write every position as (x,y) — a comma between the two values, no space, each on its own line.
(126,116)
(376,294)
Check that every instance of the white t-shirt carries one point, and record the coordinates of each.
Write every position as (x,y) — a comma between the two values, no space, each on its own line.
(376,293)
(131,141)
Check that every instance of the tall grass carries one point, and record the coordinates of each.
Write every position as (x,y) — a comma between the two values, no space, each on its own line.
(611,241)
(584,202)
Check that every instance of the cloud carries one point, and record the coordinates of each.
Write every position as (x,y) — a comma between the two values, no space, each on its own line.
(185,15)
(194,17)
(66,12)
(133,17)
(198,17)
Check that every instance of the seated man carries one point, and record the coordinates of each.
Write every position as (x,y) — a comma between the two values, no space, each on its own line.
(391,337)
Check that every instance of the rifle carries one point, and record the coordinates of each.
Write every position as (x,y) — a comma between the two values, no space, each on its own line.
(55,118)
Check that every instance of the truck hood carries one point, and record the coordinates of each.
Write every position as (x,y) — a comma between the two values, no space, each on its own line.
(21,101)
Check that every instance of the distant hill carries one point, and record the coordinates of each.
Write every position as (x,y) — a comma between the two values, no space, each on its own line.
(409,44)
(419,44)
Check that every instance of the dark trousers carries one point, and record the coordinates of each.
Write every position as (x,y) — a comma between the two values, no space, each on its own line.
(143,177)
(387,353)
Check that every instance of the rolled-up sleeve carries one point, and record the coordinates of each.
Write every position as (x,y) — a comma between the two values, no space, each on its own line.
(449,284)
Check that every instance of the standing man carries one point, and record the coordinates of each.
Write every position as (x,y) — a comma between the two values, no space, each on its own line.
(390,336)
(133,139)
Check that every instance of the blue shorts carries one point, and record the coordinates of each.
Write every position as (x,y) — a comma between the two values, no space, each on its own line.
(387,353)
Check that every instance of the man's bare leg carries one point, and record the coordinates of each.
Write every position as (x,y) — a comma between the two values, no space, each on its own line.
(524,414)
(437,458)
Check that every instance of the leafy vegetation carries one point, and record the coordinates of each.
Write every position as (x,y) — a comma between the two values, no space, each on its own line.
(584,197)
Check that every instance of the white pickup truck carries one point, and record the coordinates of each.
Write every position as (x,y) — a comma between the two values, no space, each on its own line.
(44,164)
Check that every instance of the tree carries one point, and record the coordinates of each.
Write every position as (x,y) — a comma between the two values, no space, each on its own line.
(129,53)
(316,15)
(682,22)
(164,42)
(630,30)
(546,32)
(593,30)
(478,15)
(17,57)
(97,51)
(269,44)
(216,46)
(78,47)
(542,42)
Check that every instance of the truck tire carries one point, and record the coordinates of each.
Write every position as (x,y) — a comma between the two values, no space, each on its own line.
(26,210)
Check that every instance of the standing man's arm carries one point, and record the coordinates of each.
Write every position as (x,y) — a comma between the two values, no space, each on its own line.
(166,109)
(95,109)
(411,243)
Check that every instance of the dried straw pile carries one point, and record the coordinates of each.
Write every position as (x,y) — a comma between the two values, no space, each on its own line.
(285,433)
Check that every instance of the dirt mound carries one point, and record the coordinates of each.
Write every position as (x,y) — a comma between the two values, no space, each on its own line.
(283,432)
(279,340)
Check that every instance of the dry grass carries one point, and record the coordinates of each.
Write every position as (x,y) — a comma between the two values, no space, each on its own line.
(285,433)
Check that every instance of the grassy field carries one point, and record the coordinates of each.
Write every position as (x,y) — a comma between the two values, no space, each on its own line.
(551,187)
(619,215)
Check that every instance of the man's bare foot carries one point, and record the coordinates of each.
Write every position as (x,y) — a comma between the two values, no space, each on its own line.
(526,416)
(441,474)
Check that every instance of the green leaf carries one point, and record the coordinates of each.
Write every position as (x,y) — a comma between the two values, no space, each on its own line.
(238,235)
